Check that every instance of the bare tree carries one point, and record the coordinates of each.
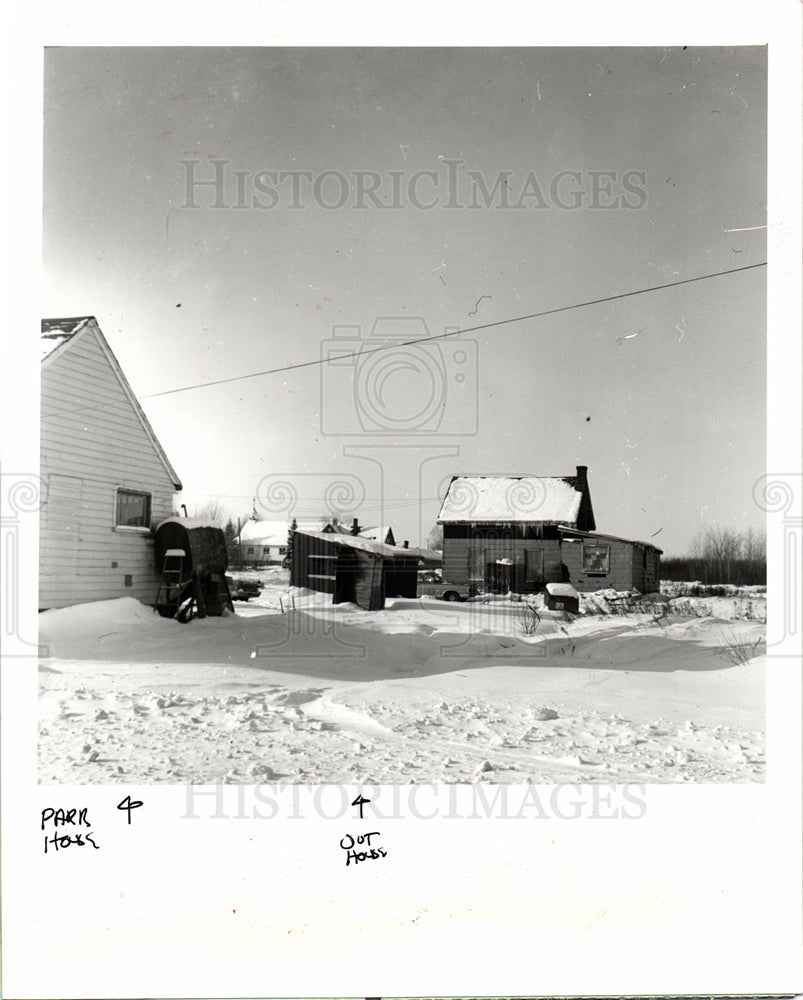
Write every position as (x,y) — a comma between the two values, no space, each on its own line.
(214,510)
(435,538)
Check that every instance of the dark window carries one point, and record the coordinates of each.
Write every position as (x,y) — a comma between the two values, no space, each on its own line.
(133,509)
(533,566)
(476,561)
(596,559)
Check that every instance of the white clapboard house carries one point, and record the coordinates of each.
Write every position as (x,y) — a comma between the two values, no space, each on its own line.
(106,480)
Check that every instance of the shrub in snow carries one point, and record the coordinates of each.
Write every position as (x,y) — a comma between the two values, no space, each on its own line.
(528,619)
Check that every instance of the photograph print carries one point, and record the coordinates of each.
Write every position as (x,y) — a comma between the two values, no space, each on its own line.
(403,416)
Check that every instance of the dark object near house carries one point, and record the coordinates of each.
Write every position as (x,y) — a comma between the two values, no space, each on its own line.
(562,597)
(241,589)
(192,558)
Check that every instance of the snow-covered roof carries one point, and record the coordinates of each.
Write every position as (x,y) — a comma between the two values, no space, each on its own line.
(379,534)
(510,498)
(56,332)
(367,544)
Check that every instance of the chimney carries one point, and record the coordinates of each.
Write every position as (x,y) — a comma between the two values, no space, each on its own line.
(355,527)
(582,475)
(406,544)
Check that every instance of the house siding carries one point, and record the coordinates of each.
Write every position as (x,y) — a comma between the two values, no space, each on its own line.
(92,443)
(459,553)
(620,565)
(562,559)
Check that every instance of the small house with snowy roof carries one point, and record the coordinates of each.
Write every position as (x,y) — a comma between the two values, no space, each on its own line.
(518,533)
(106,480)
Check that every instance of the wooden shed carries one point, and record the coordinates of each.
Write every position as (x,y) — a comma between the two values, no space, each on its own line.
(353,569)
(105,477)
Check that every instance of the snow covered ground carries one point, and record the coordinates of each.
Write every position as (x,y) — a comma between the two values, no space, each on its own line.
(293,689)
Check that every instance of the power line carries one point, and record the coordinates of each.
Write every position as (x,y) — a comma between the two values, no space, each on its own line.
(453,333)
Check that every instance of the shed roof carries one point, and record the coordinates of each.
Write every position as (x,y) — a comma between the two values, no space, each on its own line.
(367,545)
(554,499)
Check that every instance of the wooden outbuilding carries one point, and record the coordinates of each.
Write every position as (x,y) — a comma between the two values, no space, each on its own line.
(353,569)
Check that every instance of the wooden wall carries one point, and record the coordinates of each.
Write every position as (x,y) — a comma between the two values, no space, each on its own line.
(626,563)
(92,442)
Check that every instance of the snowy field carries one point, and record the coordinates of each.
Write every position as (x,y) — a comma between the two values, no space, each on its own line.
(292,689)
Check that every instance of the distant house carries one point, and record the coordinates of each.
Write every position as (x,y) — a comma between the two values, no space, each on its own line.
(382,533)
(106,479)
(264,543)
(518,533)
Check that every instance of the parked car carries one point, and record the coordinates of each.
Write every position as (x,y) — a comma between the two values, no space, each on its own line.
(431,584)
(242,589)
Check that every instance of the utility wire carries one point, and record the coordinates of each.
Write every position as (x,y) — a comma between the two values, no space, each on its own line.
(453,333)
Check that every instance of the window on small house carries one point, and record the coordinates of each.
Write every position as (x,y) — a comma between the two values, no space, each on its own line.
(282,550)
(133,509)
(476,561)
(533,566)
(250,550)
(265,551)
(596,559)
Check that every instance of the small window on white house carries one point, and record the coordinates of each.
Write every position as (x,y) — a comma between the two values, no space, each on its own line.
(133,509)
(250,550)
(265,551)
(596,559)
(282,550)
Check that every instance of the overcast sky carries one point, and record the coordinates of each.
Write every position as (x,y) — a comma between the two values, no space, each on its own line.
(432,190)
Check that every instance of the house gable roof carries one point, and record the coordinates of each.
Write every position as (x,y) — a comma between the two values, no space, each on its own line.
(58,335)
(512,499)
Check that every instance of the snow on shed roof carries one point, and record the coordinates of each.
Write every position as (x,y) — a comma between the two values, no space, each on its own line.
(367,544)
(510,498)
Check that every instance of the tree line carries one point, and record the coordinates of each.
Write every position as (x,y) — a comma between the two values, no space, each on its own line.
(721,555)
